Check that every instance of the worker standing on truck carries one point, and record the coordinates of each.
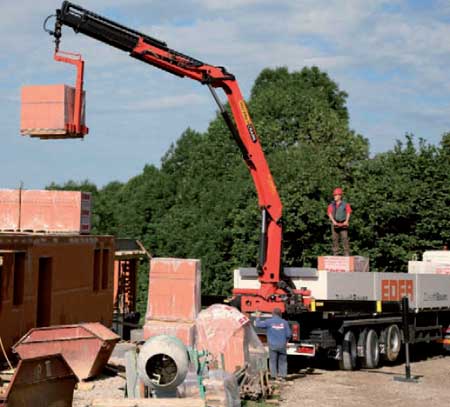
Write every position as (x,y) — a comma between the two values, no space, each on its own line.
(339,213)
(278,334)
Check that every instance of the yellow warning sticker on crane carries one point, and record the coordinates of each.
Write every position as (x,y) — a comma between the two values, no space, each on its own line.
(248,120)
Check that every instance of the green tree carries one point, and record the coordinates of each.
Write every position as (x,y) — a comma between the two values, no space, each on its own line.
(400,198)
(302,121)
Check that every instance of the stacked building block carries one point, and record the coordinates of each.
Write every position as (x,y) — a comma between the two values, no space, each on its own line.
(9,209)
(174,298)
(341,264)
(45,211)
(47,111)
(434,262)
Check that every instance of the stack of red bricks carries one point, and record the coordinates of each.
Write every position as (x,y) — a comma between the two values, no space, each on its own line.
(174,298)
(45,211)
(47,111)
(342,264)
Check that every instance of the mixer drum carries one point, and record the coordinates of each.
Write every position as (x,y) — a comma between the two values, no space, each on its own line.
(163,362)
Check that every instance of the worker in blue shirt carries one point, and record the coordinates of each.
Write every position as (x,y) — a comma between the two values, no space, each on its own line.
(278,333)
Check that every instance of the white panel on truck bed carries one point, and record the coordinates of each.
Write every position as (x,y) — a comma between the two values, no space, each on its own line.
(340,286)
(349,286)
(432,291)
(423,290)
(324,285)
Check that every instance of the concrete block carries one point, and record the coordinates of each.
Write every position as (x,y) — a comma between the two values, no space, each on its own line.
(174,290)
(185,331)
(46,110)
(436,255)
(9,209)
(343,263)
(56,211)
(439,266)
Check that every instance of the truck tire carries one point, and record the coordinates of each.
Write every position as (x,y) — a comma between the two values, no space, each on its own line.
(392,343)
(371,350)
(349,353)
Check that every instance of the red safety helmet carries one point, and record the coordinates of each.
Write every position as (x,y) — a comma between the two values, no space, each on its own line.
(337,191)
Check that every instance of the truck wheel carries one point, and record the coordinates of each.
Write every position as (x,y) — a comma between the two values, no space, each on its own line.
(371,350)
(393,343)
(349,354)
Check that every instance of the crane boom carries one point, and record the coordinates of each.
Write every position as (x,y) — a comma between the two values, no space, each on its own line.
(273,291)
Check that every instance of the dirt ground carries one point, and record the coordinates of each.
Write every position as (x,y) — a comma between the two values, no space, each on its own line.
(101,387)
(334,388)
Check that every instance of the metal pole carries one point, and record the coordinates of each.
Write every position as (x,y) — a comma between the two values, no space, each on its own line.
(406,337)
(405,310)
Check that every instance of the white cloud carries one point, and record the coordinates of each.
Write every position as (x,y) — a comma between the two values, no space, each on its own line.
(392,59)
(166,102)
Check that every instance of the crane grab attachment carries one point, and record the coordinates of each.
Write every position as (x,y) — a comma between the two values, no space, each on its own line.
(76,127)
(274,291)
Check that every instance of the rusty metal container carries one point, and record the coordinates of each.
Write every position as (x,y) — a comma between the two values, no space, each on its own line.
(86,347)
(42,381)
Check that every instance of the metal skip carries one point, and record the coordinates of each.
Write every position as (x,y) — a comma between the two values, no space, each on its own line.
(40,382)
(85,347)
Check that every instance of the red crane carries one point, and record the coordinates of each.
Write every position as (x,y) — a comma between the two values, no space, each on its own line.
(275,290)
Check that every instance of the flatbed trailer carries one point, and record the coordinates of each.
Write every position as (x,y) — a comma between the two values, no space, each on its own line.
(365,332)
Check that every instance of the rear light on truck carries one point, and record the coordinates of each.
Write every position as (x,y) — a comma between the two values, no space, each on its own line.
(301,349)
(295,328)
(306,350)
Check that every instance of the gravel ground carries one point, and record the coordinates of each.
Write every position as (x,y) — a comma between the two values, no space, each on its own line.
(101,387)
(331,388)
(328,388)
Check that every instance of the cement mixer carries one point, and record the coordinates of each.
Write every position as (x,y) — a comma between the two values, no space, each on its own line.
(163,363)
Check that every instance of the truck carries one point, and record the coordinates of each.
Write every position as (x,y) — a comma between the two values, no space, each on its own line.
(347,327)
(356,317)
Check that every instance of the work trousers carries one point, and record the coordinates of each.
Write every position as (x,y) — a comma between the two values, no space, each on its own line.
(342,234)
(278,363)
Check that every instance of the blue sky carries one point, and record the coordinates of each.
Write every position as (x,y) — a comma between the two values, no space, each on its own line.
(392,57)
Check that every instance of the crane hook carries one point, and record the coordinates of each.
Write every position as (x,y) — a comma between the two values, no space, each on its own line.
(57,31)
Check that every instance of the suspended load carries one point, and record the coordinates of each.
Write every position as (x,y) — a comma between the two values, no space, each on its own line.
(55,111)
